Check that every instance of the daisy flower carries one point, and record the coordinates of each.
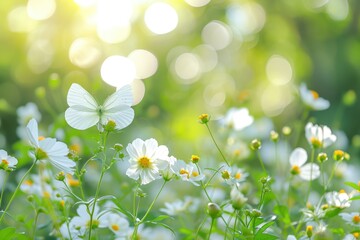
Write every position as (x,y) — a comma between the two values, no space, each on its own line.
(351,218)
(116,223)
(82,221)
(338,199)
(238,118)
(146,159)
(312,99)
(319,136)
(309,171)
(233,175)
(189,204)
(188,172)
(8,163)
(49,149)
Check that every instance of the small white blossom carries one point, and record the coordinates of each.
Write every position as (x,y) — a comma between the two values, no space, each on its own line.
(189,204)
(146,160)
(237,118)
(116,223)
(7,162)
(309,171)
(188,172)
(49,149)
(351,218)
(338,199)
(312,99)
(319,136)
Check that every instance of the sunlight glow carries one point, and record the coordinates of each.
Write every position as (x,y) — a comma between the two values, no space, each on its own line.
(118,71)
(161,18)
(197,3)
(138,88)
(40,56)
(338,9)
(217,34)
(113,20)
(208,57)
(85,3)
(84,52)
(246,18)
(19,21)
(187,67)
(145,62)
(41,9)
(278,70)
(274,99)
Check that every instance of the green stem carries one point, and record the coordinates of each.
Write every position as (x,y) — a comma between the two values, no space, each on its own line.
(3,188)
(310,181)
(16,190)
(331,176)
(211,226)
(217,146)
(262,163)
(137,224)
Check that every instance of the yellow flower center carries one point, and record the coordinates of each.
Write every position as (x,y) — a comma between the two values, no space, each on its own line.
(40,138)
(238,175)
(75,148)
(356,219)
(237,152)
(4,162)
(28,182)
(316,143)
(62,203)
(195,158)
(72,182)
(295,170)
(314,94)
(195,174)
(225,175)
(144,162)
(115,227)
(356,234)
(183,171)
(342,191)
(46,194)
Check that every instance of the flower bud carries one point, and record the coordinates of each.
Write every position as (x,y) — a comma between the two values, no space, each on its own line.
(256,213)
(286,130)
(60,176)
(110,125)
(214,210)
(118,147)
(238,199)
(322,157)
(255,144)
(204,118)
(349,98)
(195,158)
(346,156)
(40,92)
(338,155)
(309,231)
(274,136)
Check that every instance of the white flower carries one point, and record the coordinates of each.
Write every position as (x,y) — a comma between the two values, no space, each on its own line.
(190,204)
(27,112)
(351,218)
(168,172)
(238,199)
(82,221)
(338,199)
(84,112)
(7,162)
(146,160)
(309,171)
(188,172)
(319,136)
(238,118)
(116,223)
(49,149)
(233,175)
(312,99)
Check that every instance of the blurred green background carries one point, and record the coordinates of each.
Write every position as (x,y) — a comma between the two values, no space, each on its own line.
(183,57)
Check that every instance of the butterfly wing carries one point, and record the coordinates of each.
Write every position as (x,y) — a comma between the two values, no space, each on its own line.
(82,111)
(117,107)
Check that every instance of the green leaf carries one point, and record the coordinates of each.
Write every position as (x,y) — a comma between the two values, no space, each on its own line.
(8,233)
(332,212)
(263,227)
(283,213)
(265,237)
(355,198)
(353,185)
(160,218)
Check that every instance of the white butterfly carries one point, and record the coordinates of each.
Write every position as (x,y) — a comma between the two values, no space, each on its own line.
(84,112)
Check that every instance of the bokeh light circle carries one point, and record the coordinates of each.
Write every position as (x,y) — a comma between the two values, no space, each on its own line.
(84,53)
(161,18)
(41,9)
(197,3)
(118,71)
(187,67)
(145,62)
(278,70)
(217,34)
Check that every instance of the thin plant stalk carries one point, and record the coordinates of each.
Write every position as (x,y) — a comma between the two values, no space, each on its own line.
(217,146)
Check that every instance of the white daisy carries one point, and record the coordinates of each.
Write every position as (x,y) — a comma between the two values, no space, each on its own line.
(49,149)
(309,171)
(82,221)
(8,163)
(338,199)
(116,223)
(188,172)
(146,160)
(312,99)
(233,175)
(319,136)
(238,118)
(351,218)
